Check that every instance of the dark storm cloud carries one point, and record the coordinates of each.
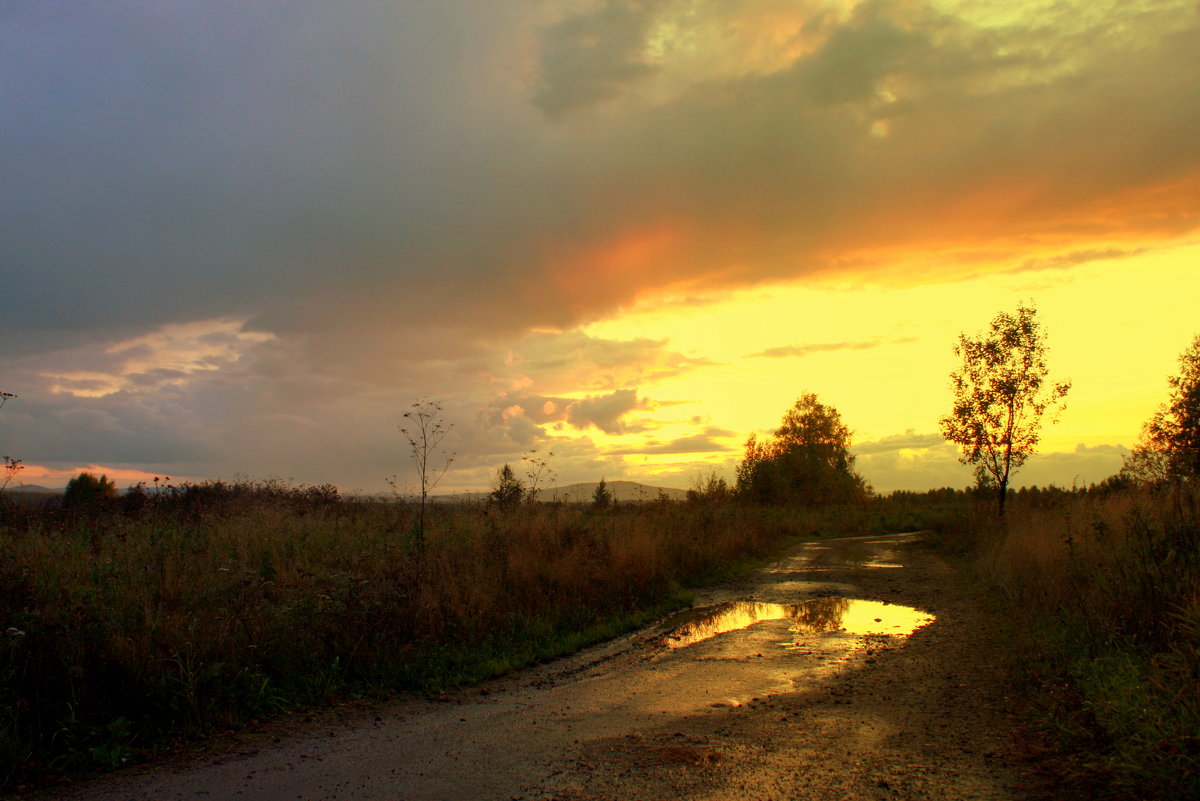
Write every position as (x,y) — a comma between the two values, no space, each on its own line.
(592,57)
(167,161)
(337,169)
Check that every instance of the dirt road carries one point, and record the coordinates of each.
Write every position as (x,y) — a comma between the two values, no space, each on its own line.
(886,689)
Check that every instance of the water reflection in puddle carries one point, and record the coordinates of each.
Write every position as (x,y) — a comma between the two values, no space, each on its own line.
(818,616)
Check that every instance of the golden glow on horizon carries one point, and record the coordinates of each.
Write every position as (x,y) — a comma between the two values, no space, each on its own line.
(883,355)
(39,474)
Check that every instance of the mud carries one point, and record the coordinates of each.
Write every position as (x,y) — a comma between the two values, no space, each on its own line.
(855,668)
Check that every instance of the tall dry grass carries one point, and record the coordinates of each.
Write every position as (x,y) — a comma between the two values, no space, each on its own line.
(180,612)
(1107,588)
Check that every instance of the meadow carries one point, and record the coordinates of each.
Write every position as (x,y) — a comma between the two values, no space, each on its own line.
(161,614)
(134,622)
(1101,593)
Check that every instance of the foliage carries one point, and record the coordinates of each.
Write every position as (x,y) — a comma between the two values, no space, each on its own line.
(425,431)
(709,488)
(808,461)
(602,498)
(1170,446)
(1146,465)
(508,491)
(1000,397)
(86,491)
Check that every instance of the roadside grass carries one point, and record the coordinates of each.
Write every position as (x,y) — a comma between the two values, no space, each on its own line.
(1103,594)
(172,613)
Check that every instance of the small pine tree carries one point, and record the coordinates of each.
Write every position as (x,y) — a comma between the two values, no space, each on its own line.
(509,491)
(602,498)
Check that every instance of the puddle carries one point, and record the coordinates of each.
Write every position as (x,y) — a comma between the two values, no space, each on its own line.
(818,616)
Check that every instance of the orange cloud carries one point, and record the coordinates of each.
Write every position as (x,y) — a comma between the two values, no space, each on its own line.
(58,476)
(633,257)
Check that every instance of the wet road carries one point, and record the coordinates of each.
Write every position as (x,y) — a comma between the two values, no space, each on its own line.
(822,675)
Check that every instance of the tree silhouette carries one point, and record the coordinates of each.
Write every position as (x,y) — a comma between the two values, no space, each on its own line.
(509,491)
(1171,438)
(424,432)
(86,491)
(602,498)
(807,461)
(1001,395)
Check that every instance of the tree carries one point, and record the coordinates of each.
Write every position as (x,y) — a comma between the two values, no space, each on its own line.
(85,491)
(425,431)
(1001,394)
(1146,465)
(807,461)
(509,491)
(1171,438)
(708,488)
(602,498)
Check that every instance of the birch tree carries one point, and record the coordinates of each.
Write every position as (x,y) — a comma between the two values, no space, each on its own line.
(1001,395)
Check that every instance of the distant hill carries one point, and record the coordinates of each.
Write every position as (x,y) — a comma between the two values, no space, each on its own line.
(33,488)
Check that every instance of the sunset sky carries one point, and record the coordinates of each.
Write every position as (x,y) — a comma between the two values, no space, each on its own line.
(242,238)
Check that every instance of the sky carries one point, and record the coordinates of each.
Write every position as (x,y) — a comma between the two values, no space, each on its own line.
(243,238)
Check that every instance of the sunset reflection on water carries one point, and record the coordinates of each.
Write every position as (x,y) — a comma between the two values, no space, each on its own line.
(818,616)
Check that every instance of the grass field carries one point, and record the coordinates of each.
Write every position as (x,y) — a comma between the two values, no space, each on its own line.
(1102,591)
(132,620)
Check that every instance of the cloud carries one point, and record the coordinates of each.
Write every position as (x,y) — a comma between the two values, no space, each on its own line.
(590,58)
(167,356)
(605,412)
(408,182)
(706,441)
(910,440)
(368,202)
(796,351)
(922,463)
(574,361)
(1084,256)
